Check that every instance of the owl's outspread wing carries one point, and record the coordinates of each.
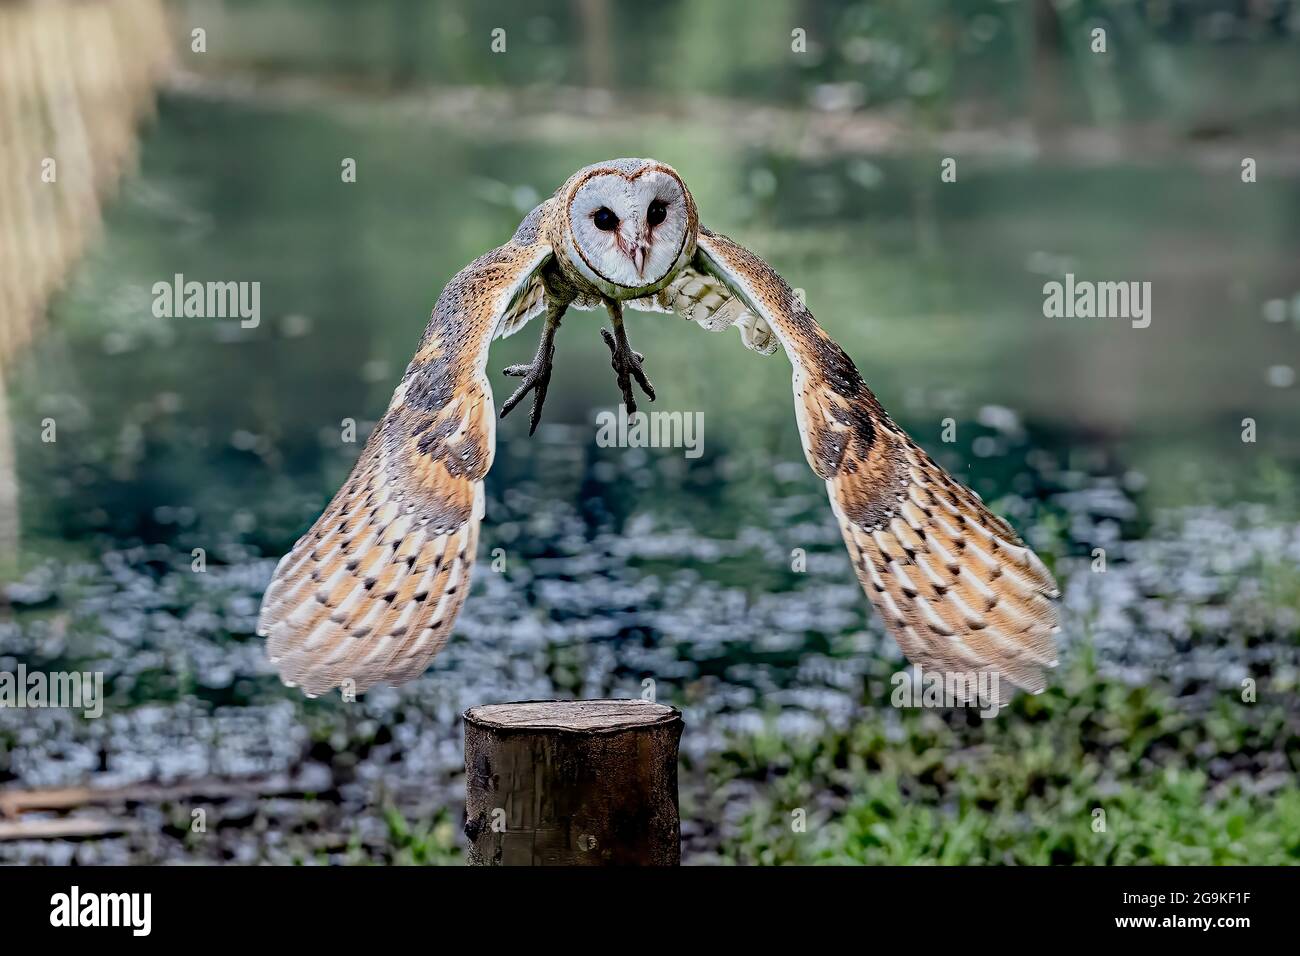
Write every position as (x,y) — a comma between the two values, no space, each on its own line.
(370,593)
(955,585)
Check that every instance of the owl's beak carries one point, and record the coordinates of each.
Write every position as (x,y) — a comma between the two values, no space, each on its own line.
(635,250)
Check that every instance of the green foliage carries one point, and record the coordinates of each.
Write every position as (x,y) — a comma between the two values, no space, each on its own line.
(426,843)
(1179,781)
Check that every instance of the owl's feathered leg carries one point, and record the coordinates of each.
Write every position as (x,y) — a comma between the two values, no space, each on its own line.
(626,363)
(537,374)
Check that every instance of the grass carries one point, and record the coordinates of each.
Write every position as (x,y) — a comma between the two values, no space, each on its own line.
(1090,772)
(428,843)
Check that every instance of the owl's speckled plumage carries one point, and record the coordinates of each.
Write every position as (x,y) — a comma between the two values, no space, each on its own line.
(370,593)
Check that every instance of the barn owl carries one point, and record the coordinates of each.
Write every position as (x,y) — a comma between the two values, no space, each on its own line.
(371,591)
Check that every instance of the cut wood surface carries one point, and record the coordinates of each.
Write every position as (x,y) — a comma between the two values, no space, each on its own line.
(579,716)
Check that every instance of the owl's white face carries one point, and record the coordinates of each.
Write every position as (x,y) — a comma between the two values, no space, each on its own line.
(629,232)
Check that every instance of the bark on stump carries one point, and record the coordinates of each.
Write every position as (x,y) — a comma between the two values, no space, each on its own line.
(572,783)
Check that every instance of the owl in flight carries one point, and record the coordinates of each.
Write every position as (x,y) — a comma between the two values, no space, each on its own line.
(370,593)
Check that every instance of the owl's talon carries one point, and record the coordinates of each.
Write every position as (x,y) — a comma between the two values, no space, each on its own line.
(537,378)
(627,364)
(536,374)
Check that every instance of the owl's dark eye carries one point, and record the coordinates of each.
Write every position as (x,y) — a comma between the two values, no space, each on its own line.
(605,219)
(656,213)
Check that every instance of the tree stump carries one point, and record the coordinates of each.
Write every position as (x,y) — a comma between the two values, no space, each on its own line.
(572,783)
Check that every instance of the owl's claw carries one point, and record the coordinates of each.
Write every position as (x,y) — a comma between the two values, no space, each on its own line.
(536,377)
(627,364)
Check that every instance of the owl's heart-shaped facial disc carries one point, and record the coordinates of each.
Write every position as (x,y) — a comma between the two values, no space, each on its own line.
(628,230)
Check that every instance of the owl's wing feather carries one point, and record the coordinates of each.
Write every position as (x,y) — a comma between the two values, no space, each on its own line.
(370,592)
(954,584)
(531,304)
(704,299)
